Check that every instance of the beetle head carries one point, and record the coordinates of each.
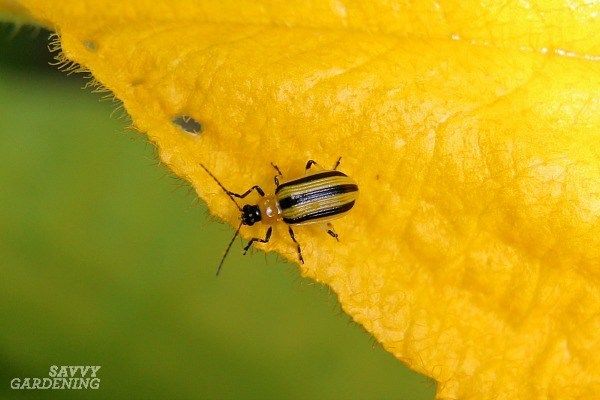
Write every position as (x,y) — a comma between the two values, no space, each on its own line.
(250,214)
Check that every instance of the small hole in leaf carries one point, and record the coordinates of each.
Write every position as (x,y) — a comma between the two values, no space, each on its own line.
(90,45)
(188,124)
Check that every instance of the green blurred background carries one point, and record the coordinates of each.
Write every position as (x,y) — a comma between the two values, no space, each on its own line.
(107,259)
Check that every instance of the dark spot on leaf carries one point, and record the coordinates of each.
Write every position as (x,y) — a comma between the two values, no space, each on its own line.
(90,45)
(188,124)
(137,81)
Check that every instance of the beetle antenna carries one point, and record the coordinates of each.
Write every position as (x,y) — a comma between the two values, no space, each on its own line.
(227,192)
(237,231)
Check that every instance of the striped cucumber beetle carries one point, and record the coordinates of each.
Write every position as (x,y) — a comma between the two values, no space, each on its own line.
(319,196)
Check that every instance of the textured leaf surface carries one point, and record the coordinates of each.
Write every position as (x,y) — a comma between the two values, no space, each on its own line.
(472,128)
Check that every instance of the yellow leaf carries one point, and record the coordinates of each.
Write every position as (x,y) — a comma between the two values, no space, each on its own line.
(472,129)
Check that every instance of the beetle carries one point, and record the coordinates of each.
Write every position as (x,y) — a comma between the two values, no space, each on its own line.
(319,196)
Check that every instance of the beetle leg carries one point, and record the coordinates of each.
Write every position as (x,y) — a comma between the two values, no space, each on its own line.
(337,163)
(310,163)
(277,169)
(247,192)
(298,245)
(229,192)
(275,179)
(265,240)
(331,232)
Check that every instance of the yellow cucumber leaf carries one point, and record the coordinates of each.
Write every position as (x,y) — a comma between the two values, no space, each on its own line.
(472,129)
